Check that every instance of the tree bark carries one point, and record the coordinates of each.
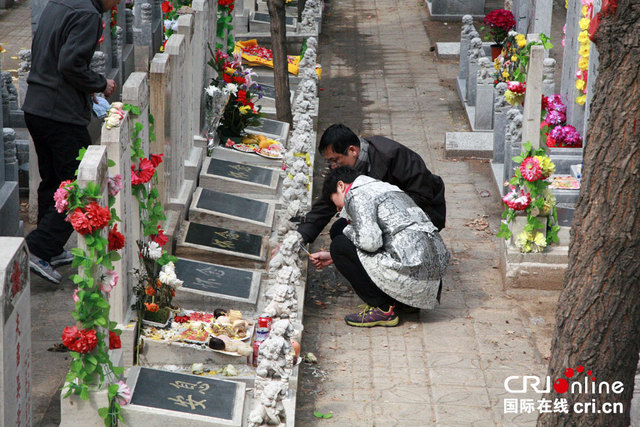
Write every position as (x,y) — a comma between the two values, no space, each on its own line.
(280,65)
(598,314)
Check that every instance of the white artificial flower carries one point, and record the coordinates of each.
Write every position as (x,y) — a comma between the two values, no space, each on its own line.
(232,88)
(168,276)
(210,90)
(154,251)
(112,121)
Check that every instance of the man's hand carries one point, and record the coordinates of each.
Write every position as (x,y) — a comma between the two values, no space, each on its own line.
(275,250)
(321,259)
(111,87)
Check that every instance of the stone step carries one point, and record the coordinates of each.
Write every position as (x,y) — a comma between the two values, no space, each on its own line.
(209,286)
(231,211)
(469,144)
(564,158)
(219,245)
(239,178)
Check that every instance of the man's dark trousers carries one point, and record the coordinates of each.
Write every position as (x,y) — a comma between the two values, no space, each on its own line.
(57,145)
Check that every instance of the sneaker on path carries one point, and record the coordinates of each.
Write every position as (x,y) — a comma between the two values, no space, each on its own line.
(372,316)
(63,258)
(44,269)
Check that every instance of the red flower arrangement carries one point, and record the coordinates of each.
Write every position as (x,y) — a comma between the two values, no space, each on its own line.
(143,173)
(530,169)
(80,341)
(114,341)
(226,3)
(98,216)
(500,22)
(160,238)
(80,222)
(116,239)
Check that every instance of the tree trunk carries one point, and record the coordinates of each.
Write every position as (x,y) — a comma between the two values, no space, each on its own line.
(598,315)
(280,68)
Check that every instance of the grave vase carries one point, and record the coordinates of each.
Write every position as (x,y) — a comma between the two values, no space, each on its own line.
(496,50)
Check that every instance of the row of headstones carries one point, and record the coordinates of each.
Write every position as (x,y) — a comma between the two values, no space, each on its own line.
(476,77)
(253,17)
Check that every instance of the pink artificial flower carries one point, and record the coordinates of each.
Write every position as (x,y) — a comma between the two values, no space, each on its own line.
(123,395)
(75,296)
(530,169)
(60,196)
(115,185)
(517,201)
(112,278)
(517,87)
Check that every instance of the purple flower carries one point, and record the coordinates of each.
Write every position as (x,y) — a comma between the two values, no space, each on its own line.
(566,136)
(555,117)
(554,102)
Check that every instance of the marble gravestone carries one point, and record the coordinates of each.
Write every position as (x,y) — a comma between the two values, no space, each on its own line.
(207,286)
(235,178)
(161,398)
(15,355)
(229,210)
(273,129)
(221,245)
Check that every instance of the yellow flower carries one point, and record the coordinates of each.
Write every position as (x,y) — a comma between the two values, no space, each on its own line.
(585,11)
(580,100)
(521,40)
(580,84)
(514,58)
(244,109)
(584,23)
(583,37)
(540,240)
(583,63)
(229,70)
(584,50)
(547,166)
(505,74)
(2,49)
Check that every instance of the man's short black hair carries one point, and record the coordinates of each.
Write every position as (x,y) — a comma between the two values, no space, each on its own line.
(346,174)
(339,138)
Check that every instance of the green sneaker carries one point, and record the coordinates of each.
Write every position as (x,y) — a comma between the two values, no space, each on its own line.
(372,316)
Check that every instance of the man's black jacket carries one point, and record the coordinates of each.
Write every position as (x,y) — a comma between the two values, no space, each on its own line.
(394,163)
(60,80)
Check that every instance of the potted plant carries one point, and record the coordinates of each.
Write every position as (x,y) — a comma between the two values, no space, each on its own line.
(498,22)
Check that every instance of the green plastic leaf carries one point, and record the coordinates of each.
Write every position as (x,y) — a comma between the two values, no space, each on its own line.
(118,370)
(103,412)
(84,393)
(319,414)
(110,163)
(135,110)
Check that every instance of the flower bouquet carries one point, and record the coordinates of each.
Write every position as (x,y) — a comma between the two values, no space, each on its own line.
(499,23)
(232,77)
(530,196)
(216,100)
(156,283)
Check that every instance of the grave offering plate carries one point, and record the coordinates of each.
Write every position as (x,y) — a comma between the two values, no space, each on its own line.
(171,398)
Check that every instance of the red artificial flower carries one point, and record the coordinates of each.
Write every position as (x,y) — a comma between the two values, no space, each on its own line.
(80,222)
(166,7)
(181,319)
(156,159)
(551,142)
(530,169)
(101,40)
(226,78)
(80,341)
(98,216)
(160,238)
(242,94)
(116,239)
(545,103)
(152,307)
(114,341)
(238,79)
(149,291)
(143,174)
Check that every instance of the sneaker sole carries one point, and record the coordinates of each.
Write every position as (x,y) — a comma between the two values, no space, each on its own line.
(37,269)
(386,323)
(60,262)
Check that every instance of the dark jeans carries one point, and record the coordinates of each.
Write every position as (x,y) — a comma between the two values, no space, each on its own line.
(57,145)
(345,258)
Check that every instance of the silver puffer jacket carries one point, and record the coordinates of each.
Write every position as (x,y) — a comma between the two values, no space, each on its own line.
(398,246)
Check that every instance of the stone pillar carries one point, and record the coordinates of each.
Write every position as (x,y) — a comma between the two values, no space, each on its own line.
(533,98)
(117,44)
(548,76)
(484,95)
(500,108)
(475,53)
(594,62)
(15,318)
(512,142)
(465,39)
(575,112)
(117,140)
(142,36)
(542,17)
(128,16)
(160,102)
(99,63)
(10,155)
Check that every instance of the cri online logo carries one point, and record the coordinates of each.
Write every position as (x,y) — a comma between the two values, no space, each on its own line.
(562,385)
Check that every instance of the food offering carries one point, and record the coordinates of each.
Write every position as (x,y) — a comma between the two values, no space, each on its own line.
(259,144)
(224,331)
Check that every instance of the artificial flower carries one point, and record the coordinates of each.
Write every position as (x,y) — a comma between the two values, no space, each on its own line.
(232,88)
(153,251)
(181,319)
(555,117)
(160,238)
(116,239)
(584,50)
(581,100)
(583,63)
(80,341)
(530,169)
(168,276)
(149,291)
(114,341)
(583,37)
(80,222)
(584,24)
(61,198)
(98,216)
(581,84)
(521,40)
(514,58)
(166,7)
(244,109)
(151,307)
(115,185)
(156,159)
(75,295)
(546,165)
(123,394)
(517,200)
(109,281)
(513,98)
(143,173)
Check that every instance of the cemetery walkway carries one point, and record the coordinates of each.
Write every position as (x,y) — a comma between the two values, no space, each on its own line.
(446,366)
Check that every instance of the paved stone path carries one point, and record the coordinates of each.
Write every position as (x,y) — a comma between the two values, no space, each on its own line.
(447,366)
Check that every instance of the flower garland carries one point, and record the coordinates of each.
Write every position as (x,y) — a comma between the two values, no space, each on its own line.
(114,21)
(584,45)
(224,30)
(529,195)
(86,341)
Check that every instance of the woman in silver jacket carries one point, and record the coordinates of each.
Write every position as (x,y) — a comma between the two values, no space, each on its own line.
(385,245)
